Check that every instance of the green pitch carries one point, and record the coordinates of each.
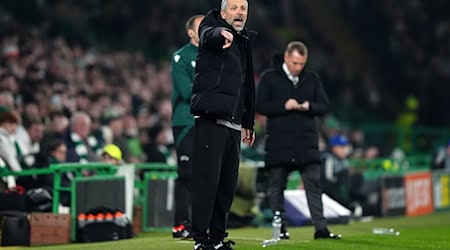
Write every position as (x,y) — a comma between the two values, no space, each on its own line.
(424,232)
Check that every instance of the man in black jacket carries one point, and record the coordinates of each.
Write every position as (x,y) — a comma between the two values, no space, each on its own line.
(223,104)
(292,98)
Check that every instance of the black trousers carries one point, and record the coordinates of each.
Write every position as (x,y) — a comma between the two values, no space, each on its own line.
(184,138)
(311,180)
(214,178)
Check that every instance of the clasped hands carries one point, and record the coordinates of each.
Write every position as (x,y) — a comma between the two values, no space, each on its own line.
(292,104)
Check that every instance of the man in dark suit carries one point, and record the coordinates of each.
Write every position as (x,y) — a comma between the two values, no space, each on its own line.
(292,98)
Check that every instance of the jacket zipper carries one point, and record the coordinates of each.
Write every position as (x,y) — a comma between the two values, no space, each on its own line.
(242,83)
(237,101)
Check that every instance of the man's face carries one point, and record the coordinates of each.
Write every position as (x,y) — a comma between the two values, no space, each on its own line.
(60,153)
(295,62)
(341,151)
(36,132)
(193,33)
(10,127)
(82,127)
(235,14)
(109,159)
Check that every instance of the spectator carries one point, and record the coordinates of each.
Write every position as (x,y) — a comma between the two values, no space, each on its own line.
(339,180)
(56,152)
(112,154)
(79,149)
(9,119)
(157,148)
(131,130)
(30,145)
(28,148)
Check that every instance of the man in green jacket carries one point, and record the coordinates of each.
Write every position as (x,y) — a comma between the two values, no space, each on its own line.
(183,67)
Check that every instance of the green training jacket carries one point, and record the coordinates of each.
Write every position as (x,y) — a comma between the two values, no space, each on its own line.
(183,69)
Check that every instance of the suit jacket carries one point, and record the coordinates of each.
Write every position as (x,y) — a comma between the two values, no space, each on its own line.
(291,136)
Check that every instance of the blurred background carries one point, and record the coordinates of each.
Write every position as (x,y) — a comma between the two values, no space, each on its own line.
(384,64)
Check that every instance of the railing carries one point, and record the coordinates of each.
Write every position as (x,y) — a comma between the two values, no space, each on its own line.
(372,169)
(77,169)
(412,140)
(382,166)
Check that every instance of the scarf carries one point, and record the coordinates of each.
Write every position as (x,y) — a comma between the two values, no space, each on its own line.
(81,148)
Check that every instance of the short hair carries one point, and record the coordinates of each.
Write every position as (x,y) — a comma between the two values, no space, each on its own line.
(54,143)
(27,122)
(297,46)
(9,115)
(190,22)
(223,5)
(79,116)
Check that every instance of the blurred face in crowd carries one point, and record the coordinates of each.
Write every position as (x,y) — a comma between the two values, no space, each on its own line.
(116,126)
(9,83)
(82,102)
(31,110)
(165,109)
(295,62)
(10,127)
(341,151)
(130,125)
(371,152)
(234,12)
(60,153)
(106,158)
(82,126)
(59,123)
(36,132)
(6,99)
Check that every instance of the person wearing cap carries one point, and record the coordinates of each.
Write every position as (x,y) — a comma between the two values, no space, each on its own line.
(339,180)
(9,119)
(112,154)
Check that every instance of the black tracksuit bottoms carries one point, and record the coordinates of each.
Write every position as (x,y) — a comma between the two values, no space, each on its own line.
(310,174)
(184,137)
(214,178)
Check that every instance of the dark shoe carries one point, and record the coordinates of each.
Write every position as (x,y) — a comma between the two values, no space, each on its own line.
(201,246)
(177,230)
(187,233)
(222,245)
(325,234)
(284,234)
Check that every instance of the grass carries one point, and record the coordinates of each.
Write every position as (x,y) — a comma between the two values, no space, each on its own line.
(424,232)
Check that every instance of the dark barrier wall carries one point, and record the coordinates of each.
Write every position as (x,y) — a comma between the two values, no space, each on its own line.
(92,193)
(393,195)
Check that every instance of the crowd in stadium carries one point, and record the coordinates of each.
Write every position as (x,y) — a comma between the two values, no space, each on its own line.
(47,75)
